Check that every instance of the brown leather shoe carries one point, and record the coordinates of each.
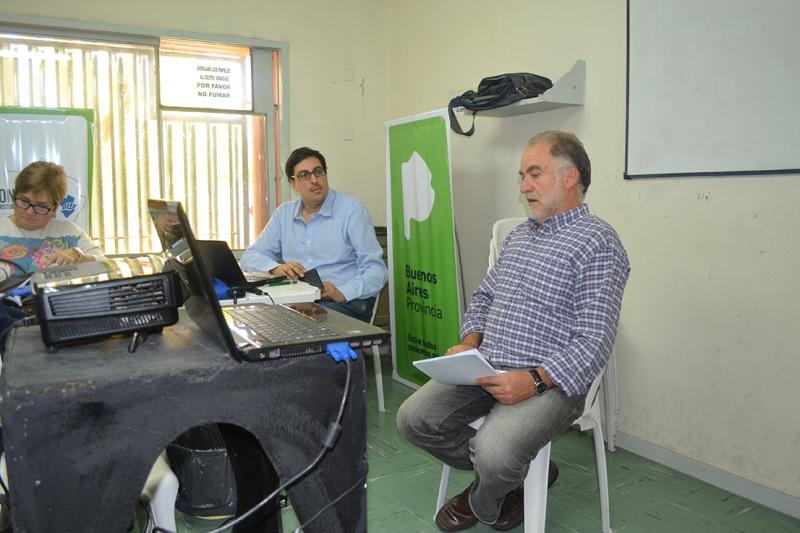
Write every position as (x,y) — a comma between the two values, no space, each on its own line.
(456,514)
(512,512)
(552,474)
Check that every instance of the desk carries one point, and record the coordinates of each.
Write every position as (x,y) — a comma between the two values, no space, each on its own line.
(293,293)
(83,426)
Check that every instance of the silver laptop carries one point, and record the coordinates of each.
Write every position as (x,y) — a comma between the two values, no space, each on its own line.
(251,332)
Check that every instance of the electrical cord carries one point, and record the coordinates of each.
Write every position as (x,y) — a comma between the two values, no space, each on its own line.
(240,292)
(236,292)
(151,518)
(5,524)
(269,296)
(20,323)
(330,440)
(342,495)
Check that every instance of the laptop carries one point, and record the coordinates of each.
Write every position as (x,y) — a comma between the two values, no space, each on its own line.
(250,332)
(222,264)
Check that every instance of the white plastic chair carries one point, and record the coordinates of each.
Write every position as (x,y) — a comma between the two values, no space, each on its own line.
(535,485)
(376,360)
(159,494)
(500,231)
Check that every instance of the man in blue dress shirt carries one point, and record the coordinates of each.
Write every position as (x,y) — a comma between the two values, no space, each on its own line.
(325,230)
(546,313)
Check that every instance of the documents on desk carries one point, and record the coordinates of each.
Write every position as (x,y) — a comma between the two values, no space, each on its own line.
(280,293)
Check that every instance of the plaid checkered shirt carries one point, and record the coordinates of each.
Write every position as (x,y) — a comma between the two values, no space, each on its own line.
(553,299)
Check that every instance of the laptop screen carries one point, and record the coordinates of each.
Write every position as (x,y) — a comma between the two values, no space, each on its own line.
(221,263)
(180,247)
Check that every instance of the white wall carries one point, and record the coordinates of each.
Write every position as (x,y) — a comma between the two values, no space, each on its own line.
(708,345)
(328,42)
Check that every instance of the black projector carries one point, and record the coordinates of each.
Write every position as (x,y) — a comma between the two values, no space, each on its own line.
(73,308)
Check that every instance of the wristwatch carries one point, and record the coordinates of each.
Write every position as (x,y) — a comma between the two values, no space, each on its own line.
(538,385)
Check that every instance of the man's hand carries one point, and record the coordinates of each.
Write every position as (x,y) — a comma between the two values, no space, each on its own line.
(469,342)
(459,348)
(291,270)
(330,292)
(509,387)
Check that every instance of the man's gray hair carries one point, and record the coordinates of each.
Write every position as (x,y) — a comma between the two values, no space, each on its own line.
(567,146)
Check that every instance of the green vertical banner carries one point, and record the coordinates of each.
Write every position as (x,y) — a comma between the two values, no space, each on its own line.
(423,284)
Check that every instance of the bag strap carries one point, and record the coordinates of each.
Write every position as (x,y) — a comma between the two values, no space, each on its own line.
(454,124)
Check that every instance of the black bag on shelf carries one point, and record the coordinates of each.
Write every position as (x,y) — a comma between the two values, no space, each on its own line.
(207,485)
(497,91)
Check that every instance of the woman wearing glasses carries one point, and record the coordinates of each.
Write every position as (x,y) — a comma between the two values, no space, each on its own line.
(32,238)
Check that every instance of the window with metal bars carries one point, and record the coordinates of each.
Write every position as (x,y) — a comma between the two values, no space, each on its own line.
(156,134)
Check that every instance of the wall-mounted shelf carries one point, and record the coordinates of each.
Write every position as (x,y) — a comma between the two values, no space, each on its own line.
(566,92)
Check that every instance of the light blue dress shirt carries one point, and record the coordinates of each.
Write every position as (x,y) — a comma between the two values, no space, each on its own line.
(339,241)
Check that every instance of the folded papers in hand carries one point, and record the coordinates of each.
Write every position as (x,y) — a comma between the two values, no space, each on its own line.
(461,368)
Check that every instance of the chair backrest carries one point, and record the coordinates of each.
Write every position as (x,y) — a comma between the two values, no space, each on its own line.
(591,395)
(375,308)
(591,410)
(500,230)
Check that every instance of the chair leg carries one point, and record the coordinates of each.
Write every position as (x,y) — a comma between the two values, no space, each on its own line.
(163,504)
(610,402)
(160,493)
(4,469)
(535,497)
(602,477)
(442,496)
(376,359)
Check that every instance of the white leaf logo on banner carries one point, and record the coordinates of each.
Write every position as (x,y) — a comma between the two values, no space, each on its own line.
(418,195)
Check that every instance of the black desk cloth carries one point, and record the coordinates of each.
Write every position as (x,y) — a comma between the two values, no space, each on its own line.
(83,426)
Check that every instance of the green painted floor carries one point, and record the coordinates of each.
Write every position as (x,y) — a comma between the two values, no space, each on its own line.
(645,497)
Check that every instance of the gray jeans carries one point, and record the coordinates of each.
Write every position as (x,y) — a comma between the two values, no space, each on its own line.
(436,418)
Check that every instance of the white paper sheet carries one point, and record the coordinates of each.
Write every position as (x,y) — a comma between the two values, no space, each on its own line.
(458,369)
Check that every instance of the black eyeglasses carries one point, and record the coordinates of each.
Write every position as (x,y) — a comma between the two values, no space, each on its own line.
(39,209)
(305,175)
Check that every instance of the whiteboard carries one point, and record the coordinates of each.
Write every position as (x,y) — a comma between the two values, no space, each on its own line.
(713,87)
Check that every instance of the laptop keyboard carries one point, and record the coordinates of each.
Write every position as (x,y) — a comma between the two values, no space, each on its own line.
(280,325)
(58,274)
